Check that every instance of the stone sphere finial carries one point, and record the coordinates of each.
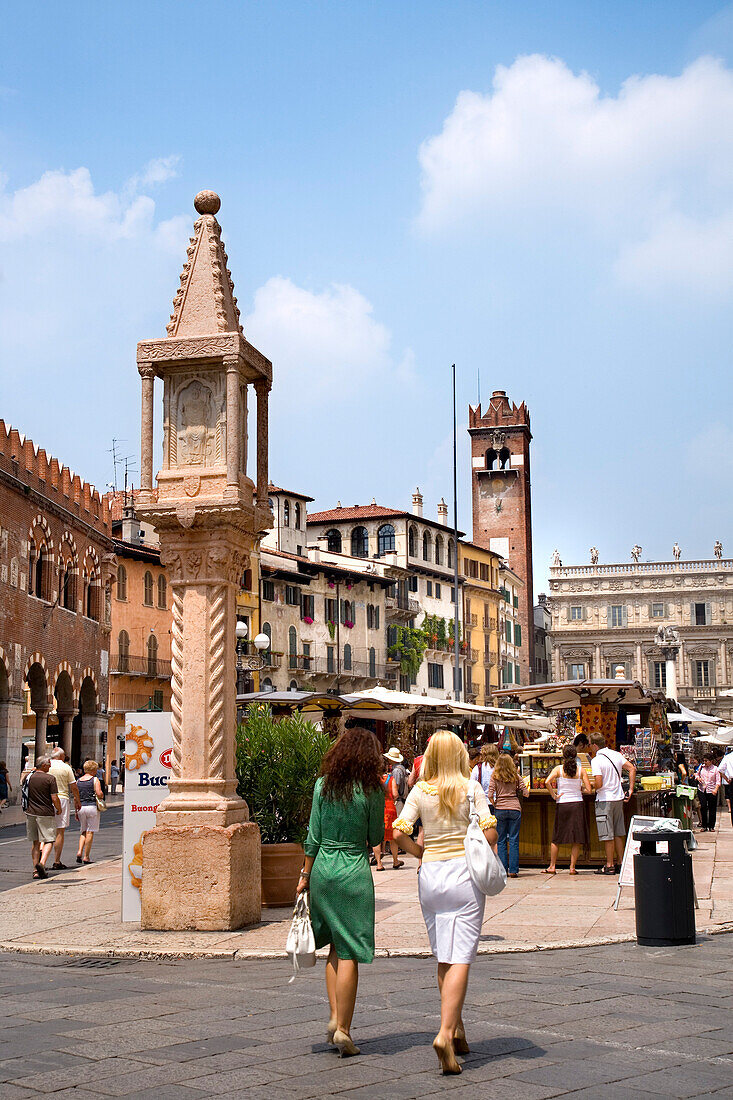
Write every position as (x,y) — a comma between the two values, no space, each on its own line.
(207,202)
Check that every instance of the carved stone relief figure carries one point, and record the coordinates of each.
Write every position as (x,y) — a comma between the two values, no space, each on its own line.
(195,426)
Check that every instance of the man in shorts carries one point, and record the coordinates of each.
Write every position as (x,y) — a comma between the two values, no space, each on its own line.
(41,807)
(67,789)
(607,768)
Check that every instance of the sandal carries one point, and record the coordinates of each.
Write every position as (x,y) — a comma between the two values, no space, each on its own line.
(573,872)
(547,871)
(379,868)
(396,866)
(604,871)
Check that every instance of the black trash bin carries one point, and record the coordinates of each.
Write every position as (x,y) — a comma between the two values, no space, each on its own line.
(664,890)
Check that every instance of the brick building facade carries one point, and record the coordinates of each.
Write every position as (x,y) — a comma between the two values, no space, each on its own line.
(502,500)
(56,567)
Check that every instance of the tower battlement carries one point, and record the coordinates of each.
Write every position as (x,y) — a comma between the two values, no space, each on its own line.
(499,413)
(20,457)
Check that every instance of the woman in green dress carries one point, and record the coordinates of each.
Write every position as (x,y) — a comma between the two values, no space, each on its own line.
(347,820)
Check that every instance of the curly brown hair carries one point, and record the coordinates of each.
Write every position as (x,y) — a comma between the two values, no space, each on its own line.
(355,759)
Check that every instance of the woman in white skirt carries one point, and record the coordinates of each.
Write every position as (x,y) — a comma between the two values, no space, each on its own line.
(452,907)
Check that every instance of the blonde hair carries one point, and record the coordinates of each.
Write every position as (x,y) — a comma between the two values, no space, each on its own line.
(489,754)
(446,765)
(91,767)
(505,769)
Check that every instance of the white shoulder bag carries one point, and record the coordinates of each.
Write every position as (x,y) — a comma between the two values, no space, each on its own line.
(485,868)
(301,943)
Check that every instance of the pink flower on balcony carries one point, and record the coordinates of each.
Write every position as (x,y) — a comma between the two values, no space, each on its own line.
(348,624)
(307,619)
(331,584)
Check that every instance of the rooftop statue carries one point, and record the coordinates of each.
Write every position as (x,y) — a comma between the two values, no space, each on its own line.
(593,555)
(636,551)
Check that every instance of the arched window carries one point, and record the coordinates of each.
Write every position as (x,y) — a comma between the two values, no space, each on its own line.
(31,564)
(39,573)
(412,542)
(439,550)
(372,663)
(266,684)
(121,582)
(385,538)
(426,546)
(152,655)
(359,542)
(148,588)
(123,651)
(491,457)
(347,658)
(293,685)
(66,586)
(286,513)
(504,457)
(90,599)
(292,648)
(450,553)
(334,540)
(162,591)
(267,629)
(297,514)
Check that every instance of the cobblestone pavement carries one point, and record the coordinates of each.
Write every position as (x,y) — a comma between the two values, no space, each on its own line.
(619,1021)
(15,851)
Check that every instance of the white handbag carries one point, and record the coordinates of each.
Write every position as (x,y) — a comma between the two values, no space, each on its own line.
(301,943)
(487,872)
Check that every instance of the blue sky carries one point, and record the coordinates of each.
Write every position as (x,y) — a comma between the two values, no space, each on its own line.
(539,191)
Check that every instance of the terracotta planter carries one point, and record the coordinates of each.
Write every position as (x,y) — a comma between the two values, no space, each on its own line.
(281,864)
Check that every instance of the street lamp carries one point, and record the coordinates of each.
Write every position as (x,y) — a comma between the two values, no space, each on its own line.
(249,662)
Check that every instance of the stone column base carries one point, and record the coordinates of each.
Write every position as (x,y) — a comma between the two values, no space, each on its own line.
(201,877)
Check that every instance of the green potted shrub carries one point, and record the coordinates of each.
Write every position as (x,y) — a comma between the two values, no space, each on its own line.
(277,767)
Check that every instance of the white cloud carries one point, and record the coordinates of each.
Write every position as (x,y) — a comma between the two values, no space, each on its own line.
(545,147)
(156,171)
(60,203)
(84,275)
(321,341)
(682,252)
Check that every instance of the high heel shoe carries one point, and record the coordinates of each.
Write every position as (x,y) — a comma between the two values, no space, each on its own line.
(446,1057)
(460,1043)
(331,1031)
(345,1044)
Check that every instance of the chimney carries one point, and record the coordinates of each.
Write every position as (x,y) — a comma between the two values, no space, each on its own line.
(443,512)
(417,502)
(130,525)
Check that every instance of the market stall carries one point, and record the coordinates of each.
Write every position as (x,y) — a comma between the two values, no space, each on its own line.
(598,705)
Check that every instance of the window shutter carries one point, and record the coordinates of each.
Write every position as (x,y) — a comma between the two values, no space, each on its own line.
(666,611)
(708,613)
(376,617)
(584,613)
(608,615)
(650,610)
(625,616)
(692,614)
(343,611)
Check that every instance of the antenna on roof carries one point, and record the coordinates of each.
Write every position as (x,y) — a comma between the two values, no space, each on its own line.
(478,383)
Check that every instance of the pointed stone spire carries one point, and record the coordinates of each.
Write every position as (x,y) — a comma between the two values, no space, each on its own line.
(205,302)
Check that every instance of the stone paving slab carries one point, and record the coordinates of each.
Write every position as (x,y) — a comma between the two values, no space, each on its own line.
(78,912)
(530,1021)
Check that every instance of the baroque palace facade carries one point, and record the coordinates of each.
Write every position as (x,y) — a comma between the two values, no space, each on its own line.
(56,571)
(607,615)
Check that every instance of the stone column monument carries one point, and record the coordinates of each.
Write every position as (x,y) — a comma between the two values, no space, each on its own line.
(202,860)
(668,641)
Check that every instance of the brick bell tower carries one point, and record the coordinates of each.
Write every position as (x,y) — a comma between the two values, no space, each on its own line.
(502,499)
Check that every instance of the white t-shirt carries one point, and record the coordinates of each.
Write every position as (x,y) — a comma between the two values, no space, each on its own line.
(725,767)
(608,764)
(486,773)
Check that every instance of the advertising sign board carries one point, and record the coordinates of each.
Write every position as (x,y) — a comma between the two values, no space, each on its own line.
(147,767)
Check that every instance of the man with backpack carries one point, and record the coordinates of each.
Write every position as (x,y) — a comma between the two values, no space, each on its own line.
(40,803)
